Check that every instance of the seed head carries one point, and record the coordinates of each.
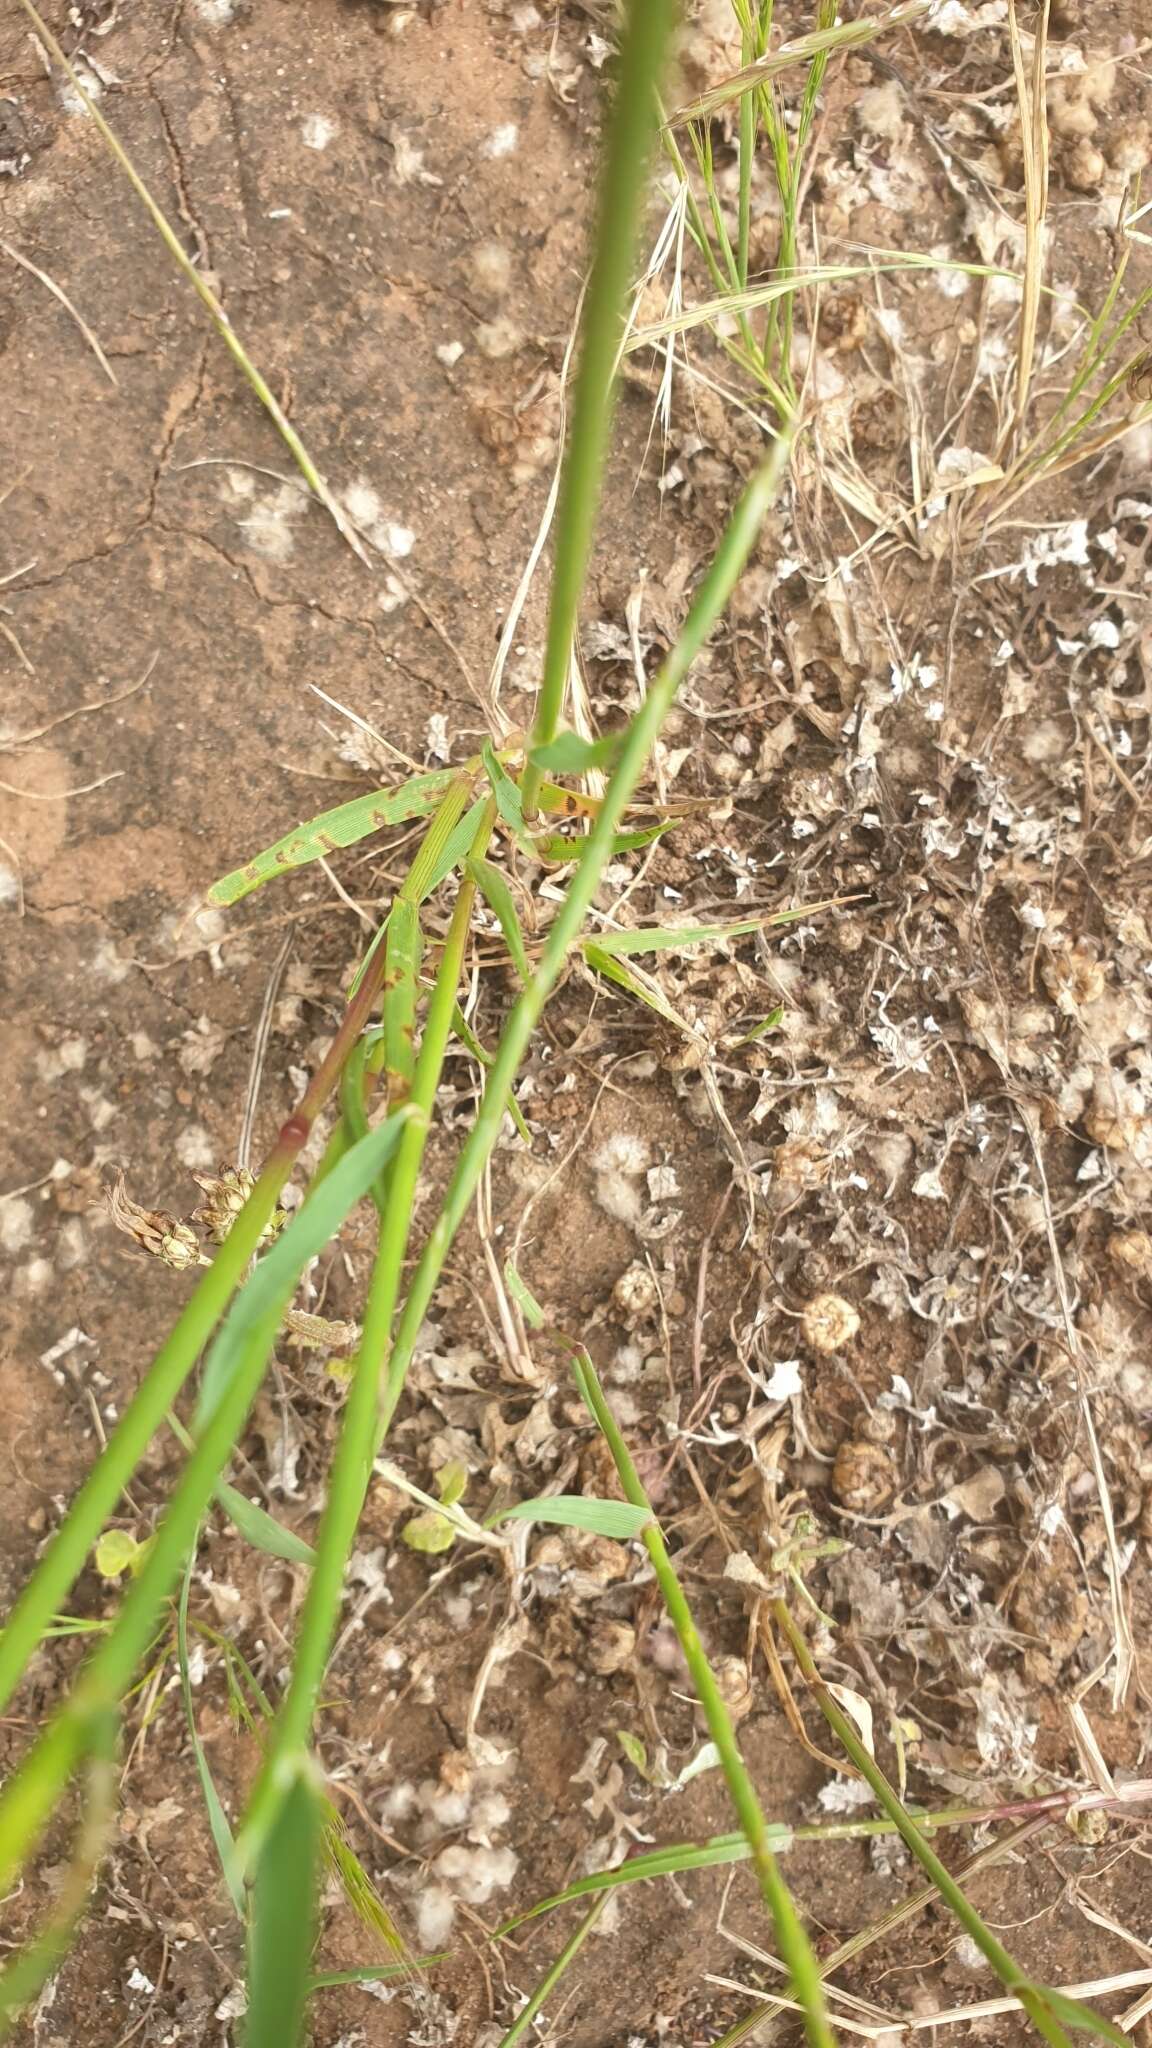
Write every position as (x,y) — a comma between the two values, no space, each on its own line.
(163,1236)
(225,1194)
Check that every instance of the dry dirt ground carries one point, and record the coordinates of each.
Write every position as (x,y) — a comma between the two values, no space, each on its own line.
(949,1127)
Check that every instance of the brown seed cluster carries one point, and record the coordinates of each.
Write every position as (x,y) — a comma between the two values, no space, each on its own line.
(173,1240)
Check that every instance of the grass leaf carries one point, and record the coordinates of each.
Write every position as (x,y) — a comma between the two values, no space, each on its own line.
(672,938)
(570,754)
(344,826)
(455,848)
(523,1296)
(283,1927)
(616,1518)
(506,792)
(493,886)
(217,1818)
(261,1529)
(844,36)
(635,982)
(274,1282)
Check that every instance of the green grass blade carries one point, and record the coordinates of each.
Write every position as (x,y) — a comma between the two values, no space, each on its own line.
(49,1585)
(284,1915)
(378,940)
(1037,2000)
(673,1861)
(547,1985)
(647,32)
(373,1973)
(253,1522)
(493,886)
(616,1518)
(217,1818)
(633,980)
(469,1040)
(236,1368)
(456,846)
(355,1449)
(554,846)
(570,754)
(793,1943)
(506,792)
(271,1287)
(261,1529)
(26,1975)
(674,938)
(824,42)
(735,547)
(398,1014)
(353,1108)
(344,826)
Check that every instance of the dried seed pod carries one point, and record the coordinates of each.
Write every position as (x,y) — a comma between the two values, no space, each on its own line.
(1129,147)
(225,1194)
(1073,976)
(863,1477)
(635,1294)
(1084,166)
(1117,1130)
(828,1322)
(1049,1604)
(732,1677)
(457,1770)
(163,1236)
(611,1646)
(1132,1249)
(798,1165)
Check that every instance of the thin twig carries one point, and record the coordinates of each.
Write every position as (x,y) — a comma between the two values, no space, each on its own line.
(50,284)
(24,739)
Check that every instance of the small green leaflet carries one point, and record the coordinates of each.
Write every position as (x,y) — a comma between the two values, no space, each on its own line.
(635,982)
(505,791)
(493,886)
(523,1296)
(554,845)
(429,1533)
(769,1023)
(432,1532)
(261,1529)
(344,826)
(469,1040)
(119,1551)
(655,1770)
(569,754)
(615,1518)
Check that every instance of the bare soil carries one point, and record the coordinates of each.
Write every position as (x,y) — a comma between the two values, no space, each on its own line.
(949,1129)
